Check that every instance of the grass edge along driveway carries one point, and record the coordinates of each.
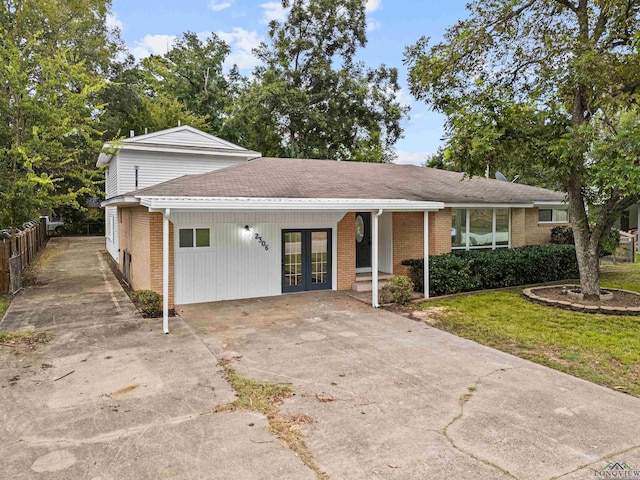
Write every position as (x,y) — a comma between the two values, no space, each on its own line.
(603,349)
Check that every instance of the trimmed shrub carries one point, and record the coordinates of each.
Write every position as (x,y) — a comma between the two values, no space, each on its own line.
(148,302)
(465,271)
(398,290)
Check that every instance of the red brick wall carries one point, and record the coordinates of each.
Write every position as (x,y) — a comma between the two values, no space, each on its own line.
(346,250)
(408,239)
(439,232)
(141,235)
(155,231)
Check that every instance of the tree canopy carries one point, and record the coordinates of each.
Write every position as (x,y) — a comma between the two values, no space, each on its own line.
(311,98)
(55,58)
(547,84)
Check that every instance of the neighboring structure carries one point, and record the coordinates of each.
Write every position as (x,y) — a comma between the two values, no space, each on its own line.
(146,160)
(271,226)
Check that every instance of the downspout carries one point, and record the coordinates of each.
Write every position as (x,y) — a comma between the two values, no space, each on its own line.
(165,270)
(425,280)
(374,260)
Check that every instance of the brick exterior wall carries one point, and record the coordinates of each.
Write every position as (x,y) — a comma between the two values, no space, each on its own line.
(408,239)
(408,236)
(141,235)
(537,234)
(439,232)
(518,227)
(346,250)
(134,237)
(155,229)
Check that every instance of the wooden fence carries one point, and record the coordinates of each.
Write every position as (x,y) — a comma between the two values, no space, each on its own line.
(16,253)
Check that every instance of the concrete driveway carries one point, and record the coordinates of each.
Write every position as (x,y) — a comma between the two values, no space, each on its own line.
(111,397)
(395,398)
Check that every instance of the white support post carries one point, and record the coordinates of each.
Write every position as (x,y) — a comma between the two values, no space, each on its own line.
(426,255)
(374,258)
(165,271)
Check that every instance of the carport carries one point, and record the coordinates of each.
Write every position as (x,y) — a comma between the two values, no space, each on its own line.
(231,248)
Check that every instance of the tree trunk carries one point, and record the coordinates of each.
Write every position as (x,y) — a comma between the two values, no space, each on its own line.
(586,242)
(589,271)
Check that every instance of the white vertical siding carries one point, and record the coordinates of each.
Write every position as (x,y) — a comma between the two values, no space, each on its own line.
(111,178)
(385,247)
(154,168)
(236,265)
(112,232)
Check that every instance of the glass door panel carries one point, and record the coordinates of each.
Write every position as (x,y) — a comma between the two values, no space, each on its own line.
(306,260)
(293,259)
(319,257)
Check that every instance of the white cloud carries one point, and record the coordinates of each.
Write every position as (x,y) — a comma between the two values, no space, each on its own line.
(404,97)
(217,5)
(373,5)
(372,24)
(112,21)
(411,158)
(273,11)
(152,45)
(242,42)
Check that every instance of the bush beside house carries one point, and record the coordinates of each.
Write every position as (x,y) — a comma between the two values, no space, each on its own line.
(468,270)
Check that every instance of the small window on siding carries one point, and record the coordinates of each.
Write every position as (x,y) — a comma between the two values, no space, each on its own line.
(202,237)
(186,237)
(194,237)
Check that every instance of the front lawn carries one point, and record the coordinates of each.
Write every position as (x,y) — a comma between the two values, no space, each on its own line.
(599,348)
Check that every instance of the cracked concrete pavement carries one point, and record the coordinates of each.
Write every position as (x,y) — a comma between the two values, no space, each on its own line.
(396,398)
(131,404)
(389,397)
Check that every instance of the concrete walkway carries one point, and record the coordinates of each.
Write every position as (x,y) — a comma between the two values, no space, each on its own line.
(393,398)
(111,397)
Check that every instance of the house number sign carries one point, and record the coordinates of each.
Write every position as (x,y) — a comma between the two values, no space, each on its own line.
(262,242)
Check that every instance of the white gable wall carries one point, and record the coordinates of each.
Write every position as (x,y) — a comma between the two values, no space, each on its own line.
(187,138)
(154,168)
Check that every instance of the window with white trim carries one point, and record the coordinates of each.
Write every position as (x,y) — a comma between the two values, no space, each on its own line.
(553,215)
(476,228)
(194,238)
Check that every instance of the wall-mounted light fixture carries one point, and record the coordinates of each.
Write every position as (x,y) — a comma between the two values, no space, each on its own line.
(247,228)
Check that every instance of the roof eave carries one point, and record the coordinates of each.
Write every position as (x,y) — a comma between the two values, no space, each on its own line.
(278,204)
(121,201)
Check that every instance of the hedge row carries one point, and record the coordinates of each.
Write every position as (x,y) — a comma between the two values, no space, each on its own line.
(465,271)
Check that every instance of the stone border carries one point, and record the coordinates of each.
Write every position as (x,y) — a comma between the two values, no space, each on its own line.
(529,294)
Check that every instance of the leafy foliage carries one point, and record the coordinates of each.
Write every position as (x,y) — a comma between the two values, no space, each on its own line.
(55,57)
(468,270)
(544,86)
(311,98)
(609,242)
(148,302)
(398,290)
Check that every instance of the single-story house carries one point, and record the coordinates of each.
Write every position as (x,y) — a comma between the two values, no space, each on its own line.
(271,226)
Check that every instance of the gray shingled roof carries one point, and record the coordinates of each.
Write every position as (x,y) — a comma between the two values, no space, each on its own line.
(301,178)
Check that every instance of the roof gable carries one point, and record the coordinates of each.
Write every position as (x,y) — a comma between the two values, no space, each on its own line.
(183,136)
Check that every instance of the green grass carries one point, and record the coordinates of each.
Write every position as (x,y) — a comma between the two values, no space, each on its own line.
(603,349)
(4,305)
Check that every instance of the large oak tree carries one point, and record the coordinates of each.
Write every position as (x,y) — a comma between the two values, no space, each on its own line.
(550,83)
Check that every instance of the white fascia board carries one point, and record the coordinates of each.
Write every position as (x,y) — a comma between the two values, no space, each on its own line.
(489,205)
(248,154)
(120,201)
(550,203)
(276,204)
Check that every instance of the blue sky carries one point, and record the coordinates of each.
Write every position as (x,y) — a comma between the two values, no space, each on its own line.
(150,26)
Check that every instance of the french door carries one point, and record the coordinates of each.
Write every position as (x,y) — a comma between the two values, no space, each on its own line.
(306,260)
